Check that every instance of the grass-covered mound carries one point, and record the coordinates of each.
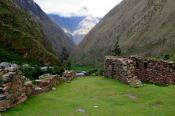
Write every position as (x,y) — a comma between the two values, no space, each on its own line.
(97,96)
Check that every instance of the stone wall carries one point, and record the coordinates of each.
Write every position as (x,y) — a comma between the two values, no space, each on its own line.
(121,69)
(131,70)
(15,88)
(12,89)
(154,71)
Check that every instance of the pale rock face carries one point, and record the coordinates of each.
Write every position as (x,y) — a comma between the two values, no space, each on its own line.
(83,28)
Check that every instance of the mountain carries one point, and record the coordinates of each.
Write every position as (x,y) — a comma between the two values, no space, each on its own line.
(83,28)
(141,27)
(55,35)
(23,33)
(68,23)
(75,26)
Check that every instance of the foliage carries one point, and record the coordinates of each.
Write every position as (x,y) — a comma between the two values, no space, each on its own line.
(10,56)
(93,72)
(111,96)
(116,49)
(166,57)
(21,34)
(67,65)
(31,72)
(79,68)
(58,70)
(64,54)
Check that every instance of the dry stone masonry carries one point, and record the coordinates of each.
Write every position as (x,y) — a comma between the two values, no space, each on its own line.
(121,69)
(133,70)
(15,88)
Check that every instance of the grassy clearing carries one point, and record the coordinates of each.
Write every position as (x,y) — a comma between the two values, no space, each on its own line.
(112,98)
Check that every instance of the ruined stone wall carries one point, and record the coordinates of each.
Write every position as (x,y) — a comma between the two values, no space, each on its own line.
(12,89)
(115,69)
(121,69)
(15,88)
(154,71)
(129,70)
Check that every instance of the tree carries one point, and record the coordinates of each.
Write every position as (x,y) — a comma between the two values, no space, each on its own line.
(116,49)
(64,54)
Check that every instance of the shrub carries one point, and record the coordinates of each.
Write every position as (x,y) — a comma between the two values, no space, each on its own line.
(92,72)
(31,72)
(166,57)
(58,70)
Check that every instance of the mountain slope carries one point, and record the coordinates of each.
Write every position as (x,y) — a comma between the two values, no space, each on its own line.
(55,35)
(83,28)
(68,23)
(76,27)
(22,35)
(143,27)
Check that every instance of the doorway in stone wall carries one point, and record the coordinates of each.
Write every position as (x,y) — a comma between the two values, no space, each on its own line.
(112,71)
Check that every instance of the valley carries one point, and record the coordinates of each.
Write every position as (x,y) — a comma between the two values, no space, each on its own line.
(76,27)
(84,57)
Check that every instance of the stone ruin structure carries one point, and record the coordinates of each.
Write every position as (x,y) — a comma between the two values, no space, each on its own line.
(133,70)
(70,75)
(15,88)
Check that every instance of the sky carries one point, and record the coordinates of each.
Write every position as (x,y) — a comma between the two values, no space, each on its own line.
(96,8)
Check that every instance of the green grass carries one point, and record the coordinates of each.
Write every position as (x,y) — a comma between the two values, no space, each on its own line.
(110,95)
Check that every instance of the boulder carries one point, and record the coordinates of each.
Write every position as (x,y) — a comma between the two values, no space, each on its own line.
(2,97)
(80,74)
(11,69)
(4,65)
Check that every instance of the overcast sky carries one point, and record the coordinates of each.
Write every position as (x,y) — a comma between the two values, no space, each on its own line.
(97,8)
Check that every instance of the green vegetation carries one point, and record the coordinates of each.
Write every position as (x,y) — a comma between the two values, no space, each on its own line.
(79,68)
(10,56)
(21,34)
(116,49)
(89,69)
(99,97)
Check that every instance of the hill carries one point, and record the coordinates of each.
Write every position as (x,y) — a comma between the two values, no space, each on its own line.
(54,34)
(141,27)
(23,36)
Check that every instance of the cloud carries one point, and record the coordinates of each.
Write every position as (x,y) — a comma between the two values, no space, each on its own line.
(97,8)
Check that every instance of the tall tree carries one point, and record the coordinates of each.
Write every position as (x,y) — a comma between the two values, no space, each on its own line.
(116,49)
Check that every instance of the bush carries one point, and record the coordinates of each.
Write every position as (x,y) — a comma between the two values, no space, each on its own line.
(67,65)
(166,57)
(93,72)
(31,72)
(58,70)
